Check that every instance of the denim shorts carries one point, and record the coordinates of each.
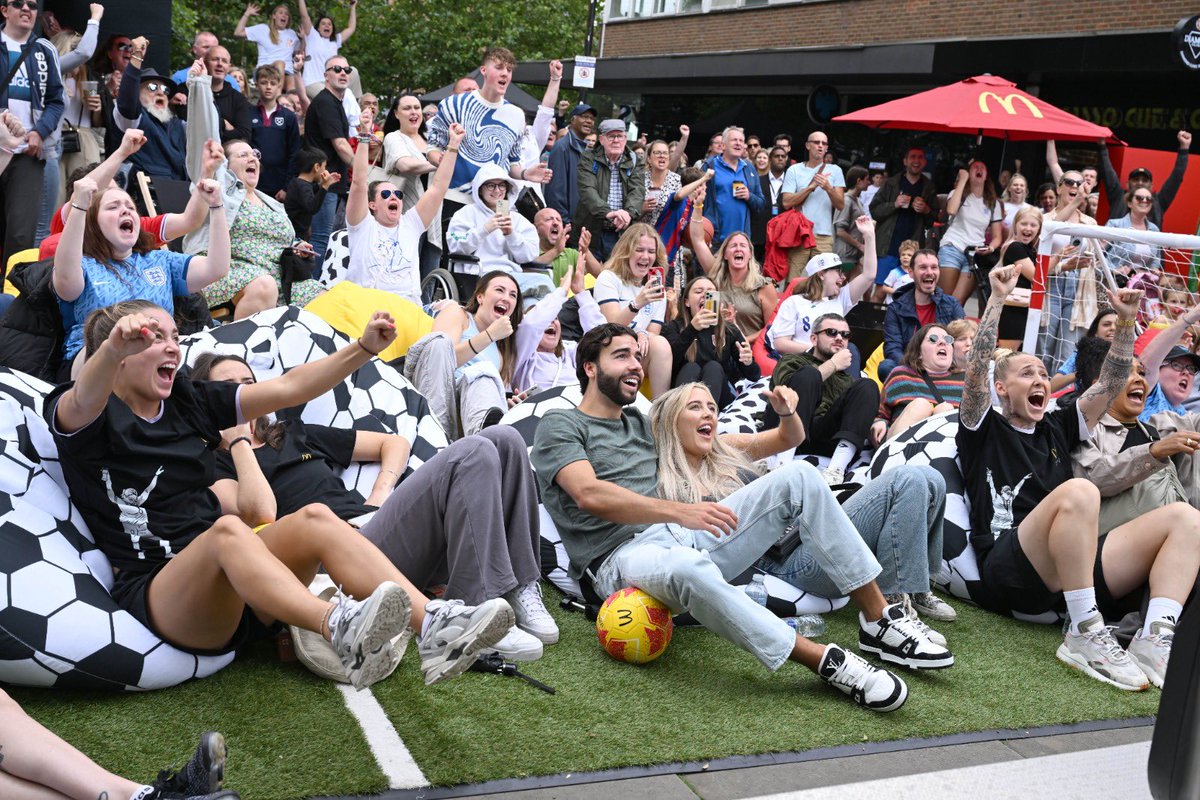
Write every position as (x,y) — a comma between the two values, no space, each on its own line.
(950,257)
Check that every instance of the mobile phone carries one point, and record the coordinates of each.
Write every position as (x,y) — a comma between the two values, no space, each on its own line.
(503,207)
(712,301)
(656,275)
(1076,243)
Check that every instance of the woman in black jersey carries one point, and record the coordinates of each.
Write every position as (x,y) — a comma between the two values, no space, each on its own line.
(1034,526)
(1021,251)
(137,438)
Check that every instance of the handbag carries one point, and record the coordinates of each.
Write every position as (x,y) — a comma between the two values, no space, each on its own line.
(294,268)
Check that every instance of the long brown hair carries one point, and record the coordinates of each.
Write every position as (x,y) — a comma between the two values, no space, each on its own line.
(508,345)
(685,318)
(270,433)
(100,323)
(96,245)
(912,350)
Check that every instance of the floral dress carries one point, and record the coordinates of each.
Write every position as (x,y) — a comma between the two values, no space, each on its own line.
(256,240)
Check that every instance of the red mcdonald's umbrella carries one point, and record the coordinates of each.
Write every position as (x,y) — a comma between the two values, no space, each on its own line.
(985,105)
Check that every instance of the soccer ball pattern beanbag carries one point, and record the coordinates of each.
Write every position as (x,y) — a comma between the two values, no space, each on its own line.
(932,443)
(58,625)
(782,598)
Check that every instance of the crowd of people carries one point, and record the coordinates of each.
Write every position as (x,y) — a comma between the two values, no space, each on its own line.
(598,261)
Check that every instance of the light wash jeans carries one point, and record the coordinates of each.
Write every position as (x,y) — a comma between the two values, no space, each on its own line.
(899,516)
(1057,341)
(49,192)
(690,570)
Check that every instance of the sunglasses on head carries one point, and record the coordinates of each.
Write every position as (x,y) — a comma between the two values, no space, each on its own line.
(943,339)
(339,70)
(1072,182)
(834,333)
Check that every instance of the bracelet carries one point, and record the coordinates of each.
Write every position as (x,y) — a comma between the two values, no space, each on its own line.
(77,208)
(245,439)
(364,347)
(792,414)
(214,208)
(451,149)
(471,345)
(489,335)
(391,471)
(1125,323)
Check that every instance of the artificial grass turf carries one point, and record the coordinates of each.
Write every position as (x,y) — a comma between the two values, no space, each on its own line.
(705,698)
(291,736)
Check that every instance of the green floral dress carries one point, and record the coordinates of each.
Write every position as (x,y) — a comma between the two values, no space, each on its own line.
(256,240)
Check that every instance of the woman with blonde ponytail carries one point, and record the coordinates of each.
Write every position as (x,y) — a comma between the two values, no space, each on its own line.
(275,39)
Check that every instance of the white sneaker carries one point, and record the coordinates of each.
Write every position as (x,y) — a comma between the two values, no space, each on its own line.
(318,655)
(532,616)
(517,645)
(867,685)
(1095,652)
(930,633)
(895,638)
(455,634)
(1151,653)
(833,476)
(363,633)
(928,604)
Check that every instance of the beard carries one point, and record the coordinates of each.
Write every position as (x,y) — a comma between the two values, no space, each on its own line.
(163,115)
(611,387)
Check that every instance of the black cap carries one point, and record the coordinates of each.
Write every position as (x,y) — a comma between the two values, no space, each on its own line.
(582,108)
(1179,351)
(150,73)
(1141,172)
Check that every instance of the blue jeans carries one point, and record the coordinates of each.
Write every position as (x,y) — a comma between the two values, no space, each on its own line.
(950,257)
(6,300)
(899,516)
(49,193)
(324,223)
(690,570)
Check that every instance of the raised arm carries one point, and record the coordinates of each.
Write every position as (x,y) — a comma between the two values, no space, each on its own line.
(358,203)
(67,273)
(681,149)
(195,214)
(315,378)
(541,124)
(1056,170)
(1112,181)
(351,23)
(208,269)
(977,395)
(1171,185)
(537,319)
(430,204)
(239,30)
(87,43)
(788,436)
(700,249)
(305,20)
(866,279)
(1157,348)
(954,202)
(1115,370)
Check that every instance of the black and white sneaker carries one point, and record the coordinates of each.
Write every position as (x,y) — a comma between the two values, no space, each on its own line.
(869,686)
(895,639)
(201,777)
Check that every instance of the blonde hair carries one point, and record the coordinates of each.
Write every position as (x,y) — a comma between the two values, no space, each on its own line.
(962,327)
(1022,213)
(1003,358)
(622,252)
(720,473)
(720,271)
(271,30)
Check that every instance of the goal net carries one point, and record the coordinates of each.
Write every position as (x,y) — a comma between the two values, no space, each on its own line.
(1076,263)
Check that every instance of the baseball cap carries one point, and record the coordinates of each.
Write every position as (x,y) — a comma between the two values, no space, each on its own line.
(582,108)
(612,125)
(822,262)
(1141,172)
(1179,351)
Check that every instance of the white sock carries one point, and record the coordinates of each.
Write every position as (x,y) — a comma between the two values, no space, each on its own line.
(1161,609)
(142,793)
(843,454)
(1081,605)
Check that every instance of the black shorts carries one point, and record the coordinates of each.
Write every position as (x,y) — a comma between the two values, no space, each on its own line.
(130,592)
(1012,584)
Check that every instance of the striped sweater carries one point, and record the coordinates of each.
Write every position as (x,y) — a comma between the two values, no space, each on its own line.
(905,385)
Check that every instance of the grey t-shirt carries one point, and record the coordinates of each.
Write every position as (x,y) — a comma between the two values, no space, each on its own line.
(620,451)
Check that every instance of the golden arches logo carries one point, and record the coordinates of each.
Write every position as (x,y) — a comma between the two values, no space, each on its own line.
(1008,103)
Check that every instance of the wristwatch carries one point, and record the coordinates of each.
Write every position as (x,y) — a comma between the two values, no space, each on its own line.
(634,308)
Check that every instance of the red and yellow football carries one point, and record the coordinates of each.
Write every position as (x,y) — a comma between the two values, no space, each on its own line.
(633,626)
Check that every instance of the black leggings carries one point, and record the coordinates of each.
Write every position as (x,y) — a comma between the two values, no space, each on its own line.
(712,375)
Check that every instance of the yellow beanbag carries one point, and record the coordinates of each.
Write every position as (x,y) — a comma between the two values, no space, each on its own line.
(347,307)
(871,368)
(21,257)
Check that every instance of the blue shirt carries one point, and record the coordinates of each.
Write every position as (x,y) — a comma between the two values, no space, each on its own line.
(733,213)
(1068,366)
(1156,401)
(158,276)
(180,78)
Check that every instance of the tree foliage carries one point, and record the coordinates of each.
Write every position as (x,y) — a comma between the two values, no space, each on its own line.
(410,43)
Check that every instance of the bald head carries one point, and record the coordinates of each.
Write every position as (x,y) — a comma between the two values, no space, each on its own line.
(549,225)
(464,85)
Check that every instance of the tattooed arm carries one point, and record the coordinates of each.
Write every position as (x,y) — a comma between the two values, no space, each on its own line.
(977,395)
(1115,371)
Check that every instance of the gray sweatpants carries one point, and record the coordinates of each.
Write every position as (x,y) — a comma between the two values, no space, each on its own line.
(468,517)
(465,398)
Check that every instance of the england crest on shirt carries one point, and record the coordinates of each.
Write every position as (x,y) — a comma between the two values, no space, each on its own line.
(155,276)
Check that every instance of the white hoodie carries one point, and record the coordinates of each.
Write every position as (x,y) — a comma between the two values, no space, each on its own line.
(495,251)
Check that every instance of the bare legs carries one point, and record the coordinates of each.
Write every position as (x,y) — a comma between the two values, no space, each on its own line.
(229,567)
(658,365)
(1059,535)
(37,765)
(1162,545)
(259,295)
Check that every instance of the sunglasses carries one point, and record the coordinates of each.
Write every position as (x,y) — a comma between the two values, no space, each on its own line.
(944,339)
(156,86)
(1141,198)
(339,70)
(19,4)
(1183,366)
(1072,182)
(834,333)
(384,194)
